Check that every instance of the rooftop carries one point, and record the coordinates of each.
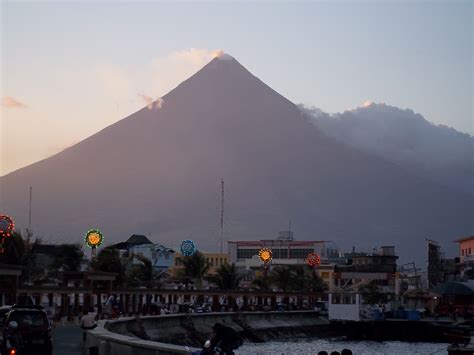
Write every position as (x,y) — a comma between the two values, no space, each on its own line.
(464,239)
(276,242)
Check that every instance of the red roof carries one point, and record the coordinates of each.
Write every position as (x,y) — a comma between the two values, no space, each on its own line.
(464,239)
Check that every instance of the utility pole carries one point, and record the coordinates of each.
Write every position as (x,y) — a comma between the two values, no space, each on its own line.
(222,212)
(29,214)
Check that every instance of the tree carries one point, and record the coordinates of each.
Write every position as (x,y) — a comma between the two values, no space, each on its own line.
(370,293)
(19,250)
(261,283)
(143,274)
(68,258)
(195,268)
(226,277)
(282,277)
(108,260)
(312,282)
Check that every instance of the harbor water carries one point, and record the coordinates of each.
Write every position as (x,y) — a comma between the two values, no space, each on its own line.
(357,347)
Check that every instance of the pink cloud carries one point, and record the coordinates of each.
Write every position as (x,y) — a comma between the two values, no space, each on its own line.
(10,102)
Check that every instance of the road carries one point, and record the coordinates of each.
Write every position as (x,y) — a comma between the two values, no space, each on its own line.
(67,339)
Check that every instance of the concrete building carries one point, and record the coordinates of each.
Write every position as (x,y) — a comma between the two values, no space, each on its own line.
(215,260)
(161,257)
(285,250)
(466,257)
(379,269)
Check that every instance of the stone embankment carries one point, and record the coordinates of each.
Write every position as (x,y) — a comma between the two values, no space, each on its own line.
(184,333)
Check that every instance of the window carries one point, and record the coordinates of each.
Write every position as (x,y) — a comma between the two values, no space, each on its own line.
(300,253)
(469,251)
(280,253)
(462,252)
(167,256)
(246,253)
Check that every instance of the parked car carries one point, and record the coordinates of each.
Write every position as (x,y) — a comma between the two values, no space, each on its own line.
(3,315)
(27,329)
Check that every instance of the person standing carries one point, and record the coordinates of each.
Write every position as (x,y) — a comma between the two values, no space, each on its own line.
(87,323)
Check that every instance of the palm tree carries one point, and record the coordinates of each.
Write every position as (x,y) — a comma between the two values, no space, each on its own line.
(21,251)
(261,283)
(313,282)
(195,268)
(68,258)
(225,278)
(109,260)
(282,277)
(144,274)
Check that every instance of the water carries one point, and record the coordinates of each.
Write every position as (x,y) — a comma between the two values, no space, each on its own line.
(357,347)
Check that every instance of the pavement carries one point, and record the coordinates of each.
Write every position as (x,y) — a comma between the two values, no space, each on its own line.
(67,339)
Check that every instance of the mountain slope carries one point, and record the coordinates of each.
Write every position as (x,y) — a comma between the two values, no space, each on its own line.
(158,171)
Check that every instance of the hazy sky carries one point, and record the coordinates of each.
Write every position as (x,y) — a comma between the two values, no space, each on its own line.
(69,70)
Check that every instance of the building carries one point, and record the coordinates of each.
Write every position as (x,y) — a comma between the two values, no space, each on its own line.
(285,251)
(161,257)
(133,241)
(215,260)
(376,268)
(466,257)
(326,273)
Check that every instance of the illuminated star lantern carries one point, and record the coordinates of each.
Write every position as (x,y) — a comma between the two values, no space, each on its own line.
(313,259)
(93,238)
(6,228)
(265,255)
(188,247)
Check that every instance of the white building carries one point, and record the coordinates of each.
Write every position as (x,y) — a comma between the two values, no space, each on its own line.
(285,251)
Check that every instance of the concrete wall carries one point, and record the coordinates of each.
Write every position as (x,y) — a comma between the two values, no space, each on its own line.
(114,337)
(106,342)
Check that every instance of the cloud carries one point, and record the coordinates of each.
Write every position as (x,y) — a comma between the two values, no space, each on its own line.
(10,102)
(155,78)
(158,103)
(367,103)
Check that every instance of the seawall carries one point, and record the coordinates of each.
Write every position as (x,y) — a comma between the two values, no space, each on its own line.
(184,333)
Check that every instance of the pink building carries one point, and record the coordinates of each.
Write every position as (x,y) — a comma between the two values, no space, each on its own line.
(466,256)
(466,248)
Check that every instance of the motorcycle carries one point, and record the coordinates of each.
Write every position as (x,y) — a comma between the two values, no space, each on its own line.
(13,341)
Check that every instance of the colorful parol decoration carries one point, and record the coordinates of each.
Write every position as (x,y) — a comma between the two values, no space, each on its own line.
(313,259)
(93,238)
(188,247)
(6,229)
(265,255)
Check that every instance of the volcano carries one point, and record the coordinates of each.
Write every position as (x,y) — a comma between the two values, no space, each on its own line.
(158,172)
